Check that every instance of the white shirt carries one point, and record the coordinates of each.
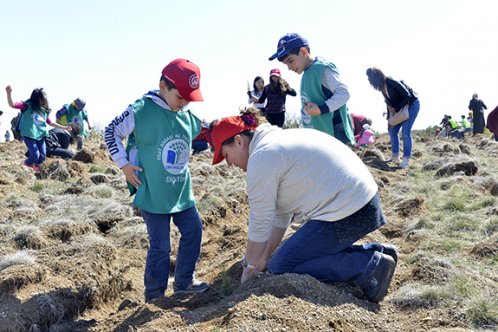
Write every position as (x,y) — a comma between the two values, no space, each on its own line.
(302,174)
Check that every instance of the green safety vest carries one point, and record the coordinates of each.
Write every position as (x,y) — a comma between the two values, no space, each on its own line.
(162,140)
(34,123)
(311,90)
(75,116)
(453,123)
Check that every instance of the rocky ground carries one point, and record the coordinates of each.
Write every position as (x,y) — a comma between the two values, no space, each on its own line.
(72,249)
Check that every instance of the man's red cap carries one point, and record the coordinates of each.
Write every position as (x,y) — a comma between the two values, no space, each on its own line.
(186,76)
(224,129)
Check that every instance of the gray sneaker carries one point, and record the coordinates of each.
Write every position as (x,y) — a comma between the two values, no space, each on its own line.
(195,287)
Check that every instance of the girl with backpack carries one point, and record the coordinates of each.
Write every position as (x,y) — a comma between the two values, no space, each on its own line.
(34,124)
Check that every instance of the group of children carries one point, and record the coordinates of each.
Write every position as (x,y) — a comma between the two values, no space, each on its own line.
(32,124)
(449,127)
(160,130)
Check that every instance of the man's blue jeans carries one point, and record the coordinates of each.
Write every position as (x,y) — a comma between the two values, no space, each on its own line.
(37,151)
(325,249)
(406,131)
(158,260)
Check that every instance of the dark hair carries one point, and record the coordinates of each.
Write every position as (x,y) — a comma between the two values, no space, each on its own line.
(38,101)
(376,78)
(170,85)
(257,78)
(251,117)
(294,51)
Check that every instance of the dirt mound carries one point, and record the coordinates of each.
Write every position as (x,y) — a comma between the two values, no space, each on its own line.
(468,168)
(85,156)
(410,206)
(486,248)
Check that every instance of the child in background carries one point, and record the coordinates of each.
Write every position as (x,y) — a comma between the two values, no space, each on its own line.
(34,120)
(276,94)
(202,141)
(75,114)
(323,94)
(160,132)
(365,137)
(258,86)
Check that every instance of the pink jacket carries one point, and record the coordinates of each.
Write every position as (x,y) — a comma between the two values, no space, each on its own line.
(366,138)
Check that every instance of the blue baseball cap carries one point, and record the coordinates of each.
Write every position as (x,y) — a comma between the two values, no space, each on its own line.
(287,43)
(79,104)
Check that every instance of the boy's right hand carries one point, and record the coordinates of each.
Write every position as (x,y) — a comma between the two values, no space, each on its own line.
(131,177)
(8,88)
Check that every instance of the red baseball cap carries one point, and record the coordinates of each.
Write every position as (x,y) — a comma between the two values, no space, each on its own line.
(224,129)
(275,72)
(186,76)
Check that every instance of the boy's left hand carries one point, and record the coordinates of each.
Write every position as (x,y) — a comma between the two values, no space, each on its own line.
(312,108)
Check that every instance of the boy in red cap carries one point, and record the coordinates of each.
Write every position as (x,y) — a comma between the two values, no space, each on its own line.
(323,94)
(160,131)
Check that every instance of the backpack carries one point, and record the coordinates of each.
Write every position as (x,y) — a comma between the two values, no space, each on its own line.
(61,116)
(15,126)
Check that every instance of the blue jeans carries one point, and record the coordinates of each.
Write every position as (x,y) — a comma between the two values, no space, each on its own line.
(37,151)
(340,133)
(158,260)
(325,249)
(406,132)
(199,146)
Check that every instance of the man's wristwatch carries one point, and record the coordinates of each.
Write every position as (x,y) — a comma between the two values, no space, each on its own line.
(246,264)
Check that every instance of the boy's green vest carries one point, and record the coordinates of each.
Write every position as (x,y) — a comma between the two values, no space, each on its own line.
(465,123)
(34,123)
(311,91)
(162,140)
(75,116)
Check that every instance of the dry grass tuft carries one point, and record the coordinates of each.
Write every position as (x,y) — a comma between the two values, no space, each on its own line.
(30,237)
(19,258)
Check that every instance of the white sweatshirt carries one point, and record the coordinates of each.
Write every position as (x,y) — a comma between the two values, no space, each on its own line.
(302,174)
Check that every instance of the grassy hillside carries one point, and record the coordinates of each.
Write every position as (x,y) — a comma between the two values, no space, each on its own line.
(72,250)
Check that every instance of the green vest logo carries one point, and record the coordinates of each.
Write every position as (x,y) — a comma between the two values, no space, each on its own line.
(175,156)
(38,119)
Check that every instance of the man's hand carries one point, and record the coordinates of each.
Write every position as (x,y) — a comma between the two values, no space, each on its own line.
(131,177)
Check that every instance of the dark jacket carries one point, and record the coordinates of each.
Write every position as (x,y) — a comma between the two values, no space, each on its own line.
(476,105)
(57,138)
(398,94)
(276,98)
(493,122)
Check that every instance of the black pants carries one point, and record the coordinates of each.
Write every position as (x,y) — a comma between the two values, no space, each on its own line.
(276,119)
(60,152)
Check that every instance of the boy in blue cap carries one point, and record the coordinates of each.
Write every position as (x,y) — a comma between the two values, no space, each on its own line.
(160,132)
(323,94)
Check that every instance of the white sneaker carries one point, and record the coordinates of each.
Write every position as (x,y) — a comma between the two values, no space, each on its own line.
(405,162)
(394,158)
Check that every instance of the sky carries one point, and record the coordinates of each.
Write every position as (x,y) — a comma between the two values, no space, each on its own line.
(111,52)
